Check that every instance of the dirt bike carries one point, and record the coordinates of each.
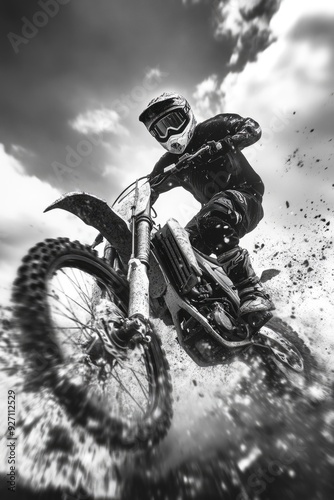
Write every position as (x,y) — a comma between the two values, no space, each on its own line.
(86,321)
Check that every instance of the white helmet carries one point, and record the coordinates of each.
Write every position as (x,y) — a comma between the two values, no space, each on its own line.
(170,120)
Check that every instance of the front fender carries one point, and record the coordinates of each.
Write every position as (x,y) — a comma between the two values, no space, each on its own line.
(97,213)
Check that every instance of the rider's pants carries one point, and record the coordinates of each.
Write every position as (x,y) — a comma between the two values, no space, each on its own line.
(219,225)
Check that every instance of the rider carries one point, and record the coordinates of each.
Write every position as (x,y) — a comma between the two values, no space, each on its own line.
(225,184)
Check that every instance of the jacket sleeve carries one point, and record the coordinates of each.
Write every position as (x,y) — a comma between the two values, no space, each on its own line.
(155,178)
(243,131)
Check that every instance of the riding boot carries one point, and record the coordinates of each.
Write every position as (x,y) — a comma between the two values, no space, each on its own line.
(255,304)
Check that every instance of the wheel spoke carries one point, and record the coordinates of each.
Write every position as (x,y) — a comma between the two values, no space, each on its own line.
(72,300)
(61,291)
(126,390)
(76,320)
(128,385)
(145,391)
(128,366)
(86,296)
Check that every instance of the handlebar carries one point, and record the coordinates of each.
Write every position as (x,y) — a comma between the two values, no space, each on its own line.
(183,162)
(185,159)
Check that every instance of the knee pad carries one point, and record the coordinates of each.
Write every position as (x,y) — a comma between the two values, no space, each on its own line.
(217,226)
(225,209)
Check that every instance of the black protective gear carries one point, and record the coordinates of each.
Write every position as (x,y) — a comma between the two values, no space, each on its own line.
(227,169)
(215,226)
(237,265)
(221,223)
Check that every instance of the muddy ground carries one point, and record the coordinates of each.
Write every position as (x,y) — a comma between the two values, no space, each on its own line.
(234,435)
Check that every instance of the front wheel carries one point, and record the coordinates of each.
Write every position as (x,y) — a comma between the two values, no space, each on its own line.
(68,301)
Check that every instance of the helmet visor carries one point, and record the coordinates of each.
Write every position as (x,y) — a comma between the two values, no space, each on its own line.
(170,124)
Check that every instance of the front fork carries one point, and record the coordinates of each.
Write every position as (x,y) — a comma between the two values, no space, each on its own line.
(139,296)
(136,327)
(139,301)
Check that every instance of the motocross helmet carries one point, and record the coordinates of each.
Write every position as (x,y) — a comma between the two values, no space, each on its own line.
(170,120)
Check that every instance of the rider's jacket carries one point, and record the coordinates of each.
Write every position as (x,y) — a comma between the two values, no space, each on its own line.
(220,172)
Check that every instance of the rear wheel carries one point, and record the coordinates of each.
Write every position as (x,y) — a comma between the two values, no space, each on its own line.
(68,303)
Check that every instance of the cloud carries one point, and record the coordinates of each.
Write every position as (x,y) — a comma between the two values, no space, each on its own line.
(247,22)
(206,98)
(98,121)
(108,63)
(296,72)
(243,26)
(207,87)
(153,76)
(22,224)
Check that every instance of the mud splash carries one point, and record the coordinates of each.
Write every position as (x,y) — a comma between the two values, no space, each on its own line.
(264,446)
(235,435)
(253,439)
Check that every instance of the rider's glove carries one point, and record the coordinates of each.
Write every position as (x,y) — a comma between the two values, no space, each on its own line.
(224,146)
(214,147)
(227,145)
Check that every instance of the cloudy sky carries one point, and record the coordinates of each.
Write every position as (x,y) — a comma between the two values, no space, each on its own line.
(75,74)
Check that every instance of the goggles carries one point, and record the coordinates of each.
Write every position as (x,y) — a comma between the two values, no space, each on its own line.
(172,123)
